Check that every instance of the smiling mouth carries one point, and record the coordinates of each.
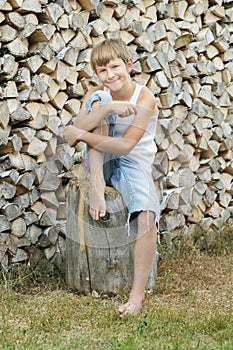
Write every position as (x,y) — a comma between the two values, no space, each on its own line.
(112,81)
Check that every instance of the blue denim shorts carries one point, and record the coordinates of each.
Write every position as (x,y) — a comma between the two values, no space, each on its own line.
(134,183)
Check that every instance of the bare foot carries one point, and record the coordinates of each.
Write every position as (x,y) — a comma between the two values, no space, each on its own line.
(97,201)
(132,307)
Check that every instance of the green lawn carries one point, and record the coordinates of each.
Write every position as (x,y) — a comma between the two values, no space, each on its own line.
(190,308)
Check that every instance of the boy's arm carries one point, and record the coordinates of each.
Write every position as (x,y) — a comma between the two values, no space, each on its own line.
(91,120)
(145,108)
(122,145)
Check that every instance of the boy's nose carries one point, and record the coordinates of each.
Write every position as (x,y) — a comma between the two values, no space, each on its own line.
(110,73)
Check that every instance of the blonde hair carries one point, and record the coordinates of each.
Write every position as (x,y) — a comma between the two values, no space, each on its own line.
(108,50)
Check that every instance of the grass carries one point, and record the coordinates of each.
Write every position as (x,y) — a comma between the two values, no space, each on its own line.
(191,307)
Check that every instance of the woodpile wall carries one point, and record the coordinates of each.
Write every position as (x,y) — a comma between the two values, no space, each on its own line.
(182,50)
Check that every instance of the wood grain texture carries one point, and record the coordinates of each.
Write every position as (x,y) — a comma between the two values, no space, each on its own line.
(99,253)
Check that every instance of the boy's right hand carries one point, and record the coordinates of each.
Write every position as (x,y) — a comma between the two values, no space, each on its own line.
(122,108)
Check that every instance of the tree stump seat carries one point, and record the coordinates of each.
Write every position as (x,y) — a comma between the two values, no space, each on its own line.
(99,254)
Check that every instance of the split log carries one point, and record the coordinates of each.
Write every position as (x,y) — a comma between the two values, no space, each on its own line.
(33,6)
(5,224)
(18,227)
(12,211)
(15,20)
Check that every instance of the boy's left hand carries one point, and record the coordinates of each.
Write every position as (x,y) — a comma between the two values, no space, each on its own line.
(71,135)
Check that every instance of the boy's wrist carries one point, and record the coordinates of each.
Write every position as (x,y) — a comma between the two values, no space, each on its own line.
(106,109)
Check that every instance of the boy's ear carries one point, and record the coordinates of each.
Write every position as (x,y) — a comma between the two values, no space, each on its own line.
(130,65)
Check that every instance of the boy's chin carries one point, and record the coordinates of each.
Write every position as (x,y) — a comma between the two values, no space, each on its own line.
(115,87)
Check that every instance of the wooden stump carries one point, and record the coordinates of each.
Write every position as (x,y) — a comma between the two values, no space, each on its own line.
(99,254)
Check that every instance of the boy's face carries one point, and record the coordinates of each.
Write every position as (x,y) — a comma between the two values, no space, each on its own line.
(115,73)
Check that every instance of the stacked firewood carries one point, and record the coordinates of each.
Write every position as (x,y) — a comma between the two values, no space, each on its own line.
(182,50)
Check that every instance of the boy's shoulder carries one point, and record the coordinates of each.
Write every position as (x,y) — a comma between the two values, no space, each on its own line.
(147,98)
(146,93)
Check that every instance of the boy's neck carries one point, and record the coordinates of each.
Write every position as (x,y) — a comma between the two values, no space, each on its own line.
(125,93)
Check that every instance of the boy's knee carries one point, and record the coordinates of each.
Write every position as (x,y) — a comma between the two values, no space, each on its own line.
(147,218)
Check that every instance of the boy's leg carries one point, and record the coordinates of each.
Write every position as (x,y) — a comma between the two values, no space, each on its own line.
(97,182)
(145,248)
(96,158)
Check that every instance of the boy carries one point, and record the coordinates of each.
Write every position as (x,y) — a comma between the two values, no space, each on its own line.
(118,119)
